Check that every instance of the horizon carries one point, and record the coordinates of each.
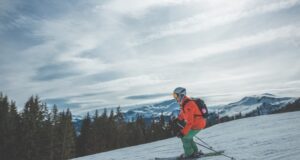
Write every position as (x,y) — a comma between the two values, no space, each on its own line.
(124,109)
(88,55)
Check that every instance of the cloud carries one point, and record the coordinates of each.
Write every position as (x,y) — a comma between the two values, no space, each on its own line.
(137,8)
(82,53)
(286,32)
(213,18)
(105,76)
(147,96)
(54,71)
(61,103)
(6,7)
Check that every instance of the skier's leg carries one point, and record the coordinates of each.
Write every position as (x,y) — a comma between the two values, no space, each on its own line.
(189,145)
(193,144)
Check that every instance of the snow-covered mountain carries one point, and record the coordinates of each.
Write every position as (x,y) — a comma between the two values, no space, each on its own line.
(266,137)
(167,108)
(264,103)
(248,106)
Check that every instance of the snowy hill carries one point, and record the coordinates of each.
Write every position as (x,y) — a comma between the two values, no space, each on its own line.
(269,137)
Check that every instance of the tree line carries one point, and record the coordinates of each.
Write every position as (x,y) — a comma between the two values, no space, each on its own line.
(36,133)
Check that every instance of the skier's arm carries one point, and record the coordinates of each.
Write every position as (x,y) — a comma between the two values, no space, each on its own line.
(181,115)
(189,119)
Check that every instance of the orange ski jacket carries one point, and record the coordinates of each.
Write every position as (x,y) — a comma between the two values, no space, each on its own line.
(191,114)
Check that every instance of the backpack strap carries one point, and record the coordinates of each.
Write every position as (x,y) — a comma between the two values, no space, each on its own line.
(185,102)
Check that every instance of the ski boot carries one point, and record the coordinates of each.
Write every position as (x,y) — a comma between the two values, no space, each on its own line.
(191,157)
(198,154)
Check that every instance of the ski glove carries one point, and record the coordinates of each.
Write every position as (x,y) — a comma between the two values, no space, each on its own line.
(181,123)
(180,135)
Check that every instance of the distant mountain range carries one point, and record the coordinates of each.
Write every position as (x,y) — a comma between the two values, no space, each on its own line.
(263,104)
(167,108)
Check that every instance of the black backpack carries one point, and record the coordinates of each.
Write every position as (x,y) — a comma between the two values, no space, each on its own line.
(201,106)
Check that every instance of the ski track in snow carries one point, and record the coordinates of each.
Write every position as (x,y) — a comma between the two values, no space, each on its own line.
(269,137)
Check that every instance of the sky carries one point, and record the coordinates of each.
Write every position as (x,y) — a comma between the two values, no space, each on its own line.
(90,54)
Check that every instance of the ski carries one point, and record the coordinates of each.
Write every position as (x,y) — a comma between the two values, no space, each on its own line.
(205,155)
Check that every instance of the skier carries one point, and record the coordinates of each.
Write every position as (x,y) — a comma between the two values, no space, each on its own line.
(191,120)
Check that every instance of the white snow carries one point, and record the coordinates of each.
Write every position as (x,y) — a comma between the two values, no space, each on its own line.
(269,137)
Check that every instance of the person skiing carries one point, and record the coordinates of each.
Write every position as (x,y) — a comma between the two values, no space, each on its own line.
(191,120)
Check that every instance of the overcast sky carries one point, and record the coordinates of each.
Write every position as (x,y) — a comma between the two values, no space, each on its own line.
(92,54)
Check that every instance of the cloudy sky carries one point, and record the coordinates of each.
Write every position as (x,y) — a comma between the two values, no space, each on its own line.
(92,54)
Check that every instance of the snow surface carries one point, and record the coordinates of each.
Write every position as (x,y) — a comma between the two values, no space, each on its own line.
(269,137)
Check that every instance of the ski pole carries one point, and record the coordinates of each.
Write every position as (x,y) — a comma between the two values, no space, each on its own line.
(204,142)
(197,137)
(232,158)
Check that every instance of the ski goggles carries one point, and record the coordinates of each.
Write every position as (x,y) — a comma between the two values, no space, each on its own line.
(175,95)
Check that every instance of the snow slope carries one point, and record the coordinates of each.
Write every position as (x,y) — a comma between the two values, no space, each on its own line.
(269,137)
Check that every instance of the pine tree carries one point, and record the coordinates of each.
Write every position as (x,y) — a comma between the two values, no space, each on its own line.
(32,124)
(104,114)
(84,141)
(152,131)
(4,107)
(44,134)
(93,133)
(99,127)
(162,128)
(68,136)
(120,131)
(13,138)
(102,130)
(55,135)
(130,134)
(140,130)
(35,133)
(119,116)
